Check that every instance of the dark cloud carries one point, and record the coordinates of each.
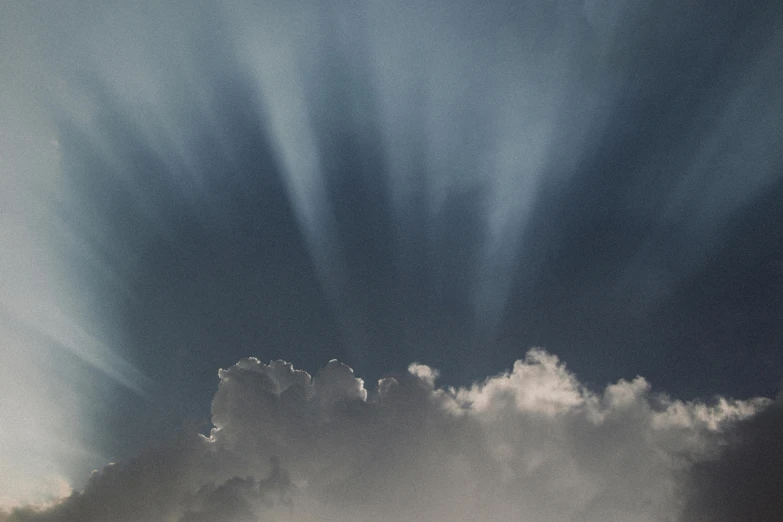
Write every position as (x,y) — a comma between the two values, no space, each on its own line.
(745,480)
(227,502)
(239,499)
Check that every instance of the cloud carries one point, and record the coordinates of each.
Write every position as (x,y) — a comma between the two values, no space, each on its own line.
(239,499)
(744,482)
(532,443)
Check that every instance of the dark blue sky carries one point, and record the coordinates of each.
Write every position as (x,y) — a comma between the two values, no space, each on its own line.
(606,183)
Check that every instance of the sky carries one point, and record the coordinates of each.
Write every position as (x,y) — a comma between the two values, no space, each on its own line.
(391,259)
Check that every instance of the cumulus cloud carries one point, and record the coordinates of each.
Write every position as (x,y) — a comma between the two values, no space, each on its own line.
(532,443)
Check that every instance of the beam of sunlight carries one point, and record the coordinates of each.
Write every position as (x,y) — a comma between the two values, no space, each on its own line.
(484,114)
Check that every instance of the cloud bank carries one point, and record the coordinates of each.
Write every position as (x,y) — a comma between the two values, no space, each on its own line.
(532,443)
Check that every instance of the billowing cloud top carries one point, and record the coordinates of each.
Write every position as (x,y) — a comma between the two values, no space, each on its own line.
(532,443)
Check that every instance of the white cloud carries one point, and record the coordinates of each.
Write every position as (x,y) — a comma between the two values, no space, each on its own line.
(529,444)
